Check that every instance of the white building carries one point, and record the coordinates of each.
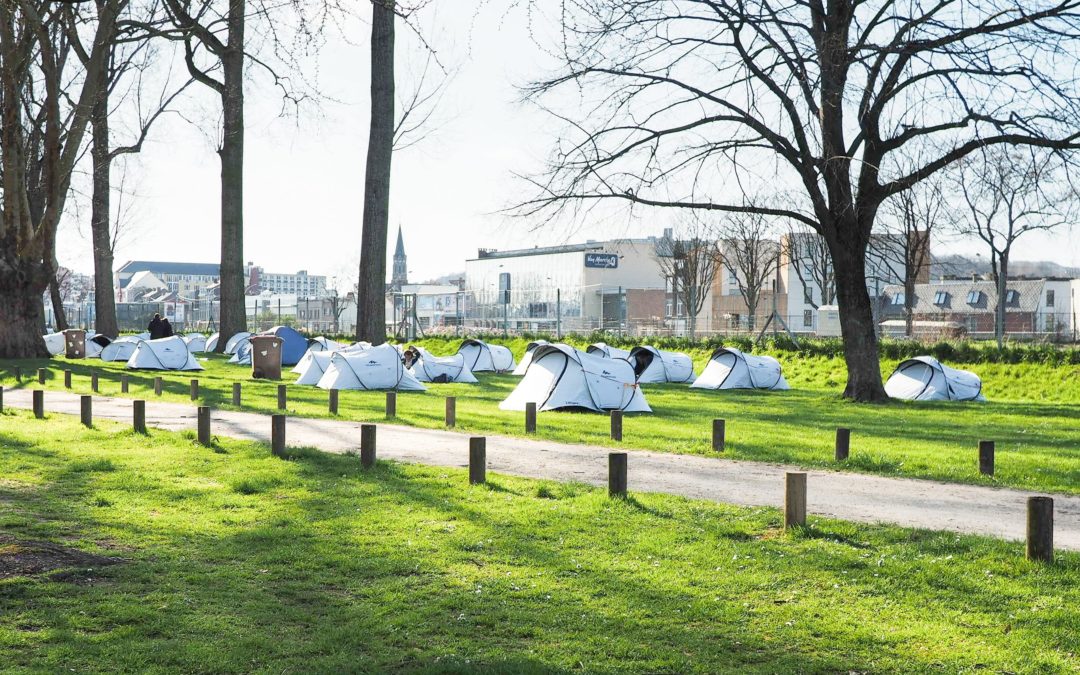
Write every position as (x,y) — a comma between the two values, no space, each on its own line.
(300,284)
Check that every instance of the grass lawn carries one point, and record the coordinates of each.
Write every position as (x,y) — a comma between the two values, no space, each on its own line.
(229,560)
(1032,416)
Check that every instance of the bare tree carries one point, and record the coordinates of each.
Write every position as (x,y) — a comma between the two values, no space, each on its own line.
(690,260)
(808,253)
(1007,195)
(59,292)
(746,248)
(912,216)
(680,102)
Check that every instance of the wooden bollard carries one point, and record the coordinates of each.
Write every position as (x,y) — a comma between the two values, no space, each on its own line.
(86,410)
(795,500)
(530,417)
(125,384)
(1,398)
(391,404)
(138,411)
(719,435)
(1040,529)
(194,390)
(236,394)
(282,396)
(616,474)
(477,460)
(367,445)
(986,458)
(18,374)
(157,386)
(333,403)
(616,425)
(41,375)
(843,443)
(39,403)
(277,435)
(95,383)
(67,379)
(451,411)
(204,425)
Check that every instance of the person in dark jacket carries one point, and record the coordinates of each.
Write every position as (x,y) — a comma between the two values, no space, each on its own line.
(155,327)
(166,328)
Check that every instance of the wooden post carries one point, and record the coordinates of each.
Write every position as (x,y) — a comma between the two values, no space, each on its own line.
(477,460)
(204,425)
(795,500)
(843,443)
(451,412)
(41,375)
(616,472)
(124,384)
(95,384)
(282,396)
(1040,529)
(86,410)
(277,435)
(530,417)
(138,409)
(986,458)
(616,425)
(236,394)
(333,404)
(157,386)
(718,435)
(391,405)
(194,390)
(39,403)
(1,399)
(18,374)
(67,379)
(367,445)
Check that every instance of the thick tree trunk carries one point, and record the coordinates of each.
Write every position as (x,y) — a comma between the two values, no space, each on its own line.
(21,311)
(1002,290)
(857,327)
(371,300)
(233,311)
(104,291)
(59,317)
(909,303)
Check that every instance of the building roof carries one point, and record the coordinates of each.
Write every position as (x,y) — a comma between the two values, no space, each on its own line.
(159,267)
(957,293)
(485,253)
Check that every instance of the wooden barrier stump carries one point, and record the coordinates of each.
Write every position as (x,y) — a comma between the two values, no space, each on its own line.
(41,375)
(158,385)
(236,394)
(530,417)
(795,500)
(138,410)
(124,384)
(39,403)
(617,466)
(391,404)
(67,379)
(277,435)
(333,402)
(477,460)
(18,374)
(1,399)
(95,383)
(204,425)
(367,445)
(986,458)
(719,435)
(616,425)
(843,443)
(451,412)
(1040,529)
(86,410)
(282,396)
(194,390)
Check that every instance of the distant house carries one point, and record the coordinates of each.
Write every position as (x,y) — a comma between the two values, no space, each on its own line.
(187,280)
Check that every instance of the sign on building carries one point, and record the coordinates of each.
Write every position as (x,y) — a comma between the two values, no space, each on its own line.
(608,261)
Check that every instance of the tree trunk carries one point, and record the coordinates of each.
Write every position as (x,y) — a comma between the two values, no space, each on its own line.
(1002,290)
(104,292)
(233,311)
(857,327)
(21,311)
(371,300)
(60,319)
(909,303)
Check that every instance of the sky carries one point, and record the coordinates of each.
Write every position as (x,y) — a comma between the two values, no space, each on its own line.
(304,173)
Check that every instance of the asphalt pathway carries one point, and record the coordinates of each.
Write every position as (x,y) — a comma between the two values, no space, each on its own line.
(997,512)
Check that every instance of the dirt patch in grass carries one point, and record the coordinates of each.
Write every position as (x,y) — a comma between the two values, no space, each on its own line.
(61,563)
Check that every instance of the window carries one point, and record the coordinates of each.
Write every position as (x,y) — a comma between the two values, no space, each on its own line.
(1049,298)
(971,323)
(898,299)
(1012,297)
(808,318)
(974,297)
(941,298)
(808,295)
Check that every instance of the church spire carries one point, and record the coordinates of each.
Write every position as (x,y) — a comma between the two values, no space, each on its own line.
(400,275)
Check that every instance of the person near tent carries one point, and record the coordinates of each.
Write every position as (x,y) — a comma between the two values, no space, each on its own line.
(155,327)
(166,328)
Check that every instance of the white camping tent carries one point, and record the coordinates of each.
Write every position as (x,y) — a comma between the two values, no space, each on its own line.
(233,343)
(324,344)
(729,368)
(242,352)
(211,342)
(374,368)
(55,343)
(924,378)
(95,342)
(563,377)
(526,358)
(607,351)
(196,342)
(169,353)
(312,366)
(121,348)
(426,367)
(653,365)
(305,361)
(480,356)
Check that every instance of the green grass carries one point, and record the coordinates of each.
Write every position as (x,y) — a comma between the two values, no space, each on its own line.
(1032,416)
(235,561)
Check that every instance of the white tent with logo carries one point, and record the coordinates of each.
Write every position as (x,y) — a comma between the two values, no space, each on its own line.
(563,377)
(729,368)
(373,368)
(526,358)
(55,343)
(607,351)
(121,348)
(312,367)
(196,342)
(95,343)
(480,356)
(169,353)
(924,378)
(653,365)
(426,367)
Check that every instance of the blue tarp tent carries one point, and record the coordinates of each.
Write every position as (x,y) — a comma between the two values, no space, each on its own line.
(293,344)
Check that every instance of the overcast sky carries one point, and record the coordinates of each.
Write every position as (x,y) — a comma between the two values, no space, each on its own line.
(304,175)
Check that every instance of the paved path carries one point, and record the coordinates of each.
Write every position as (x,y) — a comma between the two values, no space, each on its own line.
(990,511)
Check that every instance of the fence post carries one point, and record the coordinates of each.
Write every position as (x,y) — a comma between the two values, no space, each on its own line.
(39,403)
(795,499)
(194,390)
(204,425)
(277,435)
(367,445)
(1,398)
(41,375)
(86,410)
(617,474)
(333,402)
(124,384)
(95,384)
(1040,529)
(18,374)
(451,411)
(986,458)
(530,417)
(236,394)
(138,409)
(282,396)
(843,443)
(67,379)
(391,404)
(718,435)
(157,386)
(616,425)
(477,460)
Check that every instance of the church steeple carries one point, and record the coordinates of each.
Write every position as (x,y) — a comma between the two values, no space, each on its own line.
(400,275)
